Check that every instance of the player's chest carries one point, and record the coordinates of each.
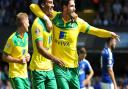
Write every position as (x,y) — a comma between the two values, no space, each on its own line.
(65,34)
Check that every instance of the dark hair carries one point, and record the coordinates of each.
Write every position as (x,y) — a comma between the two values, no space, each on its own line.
(41,2)
(64,2)
(108,40)
(82,50)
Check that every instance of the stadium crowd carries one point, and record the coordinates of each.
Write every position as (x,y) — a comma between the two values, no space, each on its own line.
(109,12)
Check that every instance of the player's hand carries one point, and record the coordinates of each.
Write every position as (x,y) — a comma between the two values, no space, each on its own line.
(74,15)
(85,82)
(59,62)
(22,60)
(48,23)
(27,57)
(114,35)
(115,87)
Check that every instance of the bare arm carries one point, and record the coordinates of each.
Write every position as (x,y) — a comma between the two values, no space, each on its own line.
(111,73)
(91,73)
(38,12)
(44,53)
(87,80)
(11,59)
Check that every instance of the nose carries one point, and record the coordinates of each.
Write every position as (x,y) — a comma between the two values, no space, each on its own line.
(52,5)
(74,9)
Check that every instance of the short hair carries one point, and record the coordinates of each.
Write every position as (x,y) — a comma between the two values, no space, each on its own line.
(109,39)
(65,2)
(82,50)
(19,17)
(41,2)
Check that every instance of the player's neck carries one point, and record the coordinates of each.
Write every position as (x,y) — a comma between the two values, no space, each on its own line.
(21,31)
(109,47)
(65,16)
(80,58)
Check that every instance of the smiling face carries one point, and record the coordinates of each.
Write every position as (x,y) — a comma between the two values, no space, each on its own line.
(68,7)
(49,5)
(71,7)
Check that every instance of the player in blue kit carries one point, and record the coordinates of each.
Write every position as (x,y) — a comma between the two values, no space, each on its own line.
(107,61)
(85,69)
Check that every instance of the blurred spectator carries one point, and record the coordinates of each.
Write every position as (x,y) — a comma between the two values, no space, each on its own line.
(116,8)
(125,12)
(2,85)
(2,14)
(97,83)
(97,20)
(8,85)
(101,11)
(57,5)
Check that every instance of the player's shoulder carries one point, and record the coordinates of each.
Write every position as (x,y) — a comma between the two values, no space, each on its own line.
(105,51)
(38,22)
(35,22)
(56,15)
(26,35)
(81,21)
(86,61)
(12,36)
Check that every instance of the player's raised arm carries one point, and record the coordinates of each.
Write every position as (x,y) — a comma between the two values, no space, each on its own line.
(101,32)
(86,28)
(38,12)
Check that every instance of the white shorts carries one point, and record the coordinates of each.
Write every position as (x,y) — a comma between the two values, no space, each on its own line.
(107,86)
(83,88)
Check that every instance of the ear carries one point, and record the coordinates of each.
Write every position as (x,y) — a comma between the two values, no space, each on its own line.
(42,5)
(64,8)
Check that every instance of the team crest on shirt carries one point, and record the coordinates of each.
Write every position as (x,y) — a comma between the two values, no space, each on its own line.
(63,35)
(7,45)
(81,71)
(37,31)
(110,61)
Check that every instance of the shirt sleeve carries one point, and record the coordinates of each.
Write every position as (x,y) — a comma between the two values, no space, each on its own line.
(9,46)
(84,26)
(88,67)
(37,33)
(99,32)
(108,58)
(38,12)
(109,61)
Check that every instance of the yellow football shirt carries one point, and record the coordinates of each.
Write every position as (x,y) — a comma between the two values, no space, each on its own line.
(65,36)
(17,47)
(39,32)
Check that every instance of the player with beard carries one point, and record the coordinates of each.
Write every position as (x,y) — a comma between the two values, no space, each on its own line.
(65,33)
(41,67)
(107,61)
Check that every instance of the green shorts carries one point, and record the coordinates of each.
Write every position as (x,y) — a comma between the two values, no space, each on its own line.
(20,83)
(67,78)
(43,80)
